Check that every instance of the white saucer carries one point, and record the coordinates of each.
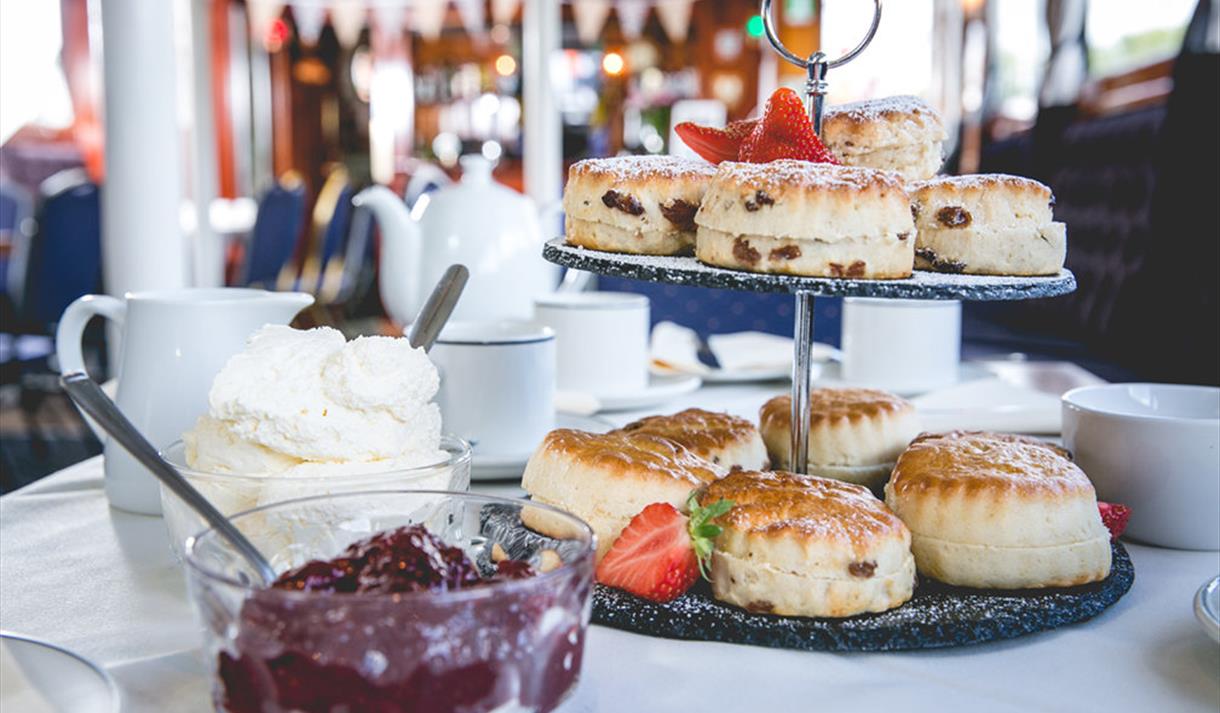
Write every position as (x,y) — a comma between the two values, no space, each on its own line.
(661,388)
(831,376)
(67,681)
(1207,608)
(500,467)
(746,376)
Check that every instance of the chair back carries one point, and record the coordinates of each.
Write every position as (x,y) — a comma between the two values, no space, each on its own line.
(331,215)
(277,228)
(15,209)
(65,256)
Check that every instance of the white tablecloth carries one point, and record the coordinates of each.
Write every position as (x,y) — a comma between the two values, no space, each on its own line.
(104,584)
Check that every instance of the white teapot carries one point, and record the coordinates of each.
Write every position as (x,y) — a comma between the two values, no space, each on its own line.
(489,228)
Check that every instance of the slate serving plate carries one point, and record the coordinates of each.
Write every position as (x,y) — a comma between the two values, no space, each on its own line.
(921,285)
(938,616)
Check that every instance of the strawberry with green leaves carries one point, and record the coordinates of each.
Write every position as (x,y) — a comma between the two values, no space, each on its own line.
(661,553)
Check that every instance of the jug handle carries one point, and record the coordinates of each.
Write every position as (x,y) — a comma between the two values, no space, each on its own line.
(573,280)
(71,329)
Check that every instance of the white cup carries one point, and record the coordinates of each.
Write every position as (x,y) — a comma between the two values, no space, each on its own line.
(601,339)
(497,384)
(901,345)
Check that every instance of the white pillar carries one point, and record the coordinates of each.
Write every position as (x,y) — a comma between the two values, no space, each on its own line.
(540,40)
(208,249)
(142,243)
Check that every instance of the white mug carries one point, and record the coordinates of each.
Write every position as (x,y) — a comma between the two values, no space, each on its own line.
(601,338)
(497,384)
(173,344)
(901,345)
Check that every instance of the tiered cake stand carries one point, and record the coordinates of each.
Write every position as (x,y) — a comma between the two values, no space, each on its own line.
(923,285)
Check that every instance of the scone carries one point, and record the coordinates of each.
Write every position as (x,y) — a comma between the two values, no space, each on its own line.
(901,134)
(802,218)
(635,204)
(800,545)
(987,224)
(723,439)
(992,511)
(606,479)
(854,434)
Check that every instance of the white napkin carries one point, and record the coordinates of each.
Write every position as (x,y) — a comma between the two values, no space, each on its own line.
(675,349)
(16,691)
(990,405)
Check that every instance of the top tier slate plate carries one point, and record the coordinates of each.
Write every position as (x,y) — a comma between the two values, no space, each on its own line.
(922,286)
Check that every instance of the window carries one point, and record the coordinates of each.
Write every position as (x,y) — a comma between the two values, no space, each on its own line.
(1125,34)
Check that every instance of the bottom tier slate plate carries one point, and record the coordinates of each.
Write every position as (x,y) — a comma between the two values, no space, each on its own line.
(938,616)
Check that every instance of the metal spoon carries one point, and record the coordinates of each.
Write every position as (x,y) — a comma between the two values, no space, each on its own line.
(93,401)
(435,312)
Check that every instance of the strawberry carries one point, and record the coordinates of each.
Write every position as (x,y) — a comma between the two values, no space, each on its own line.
(661,552)
(713,144)
(784,132)
(1115,517)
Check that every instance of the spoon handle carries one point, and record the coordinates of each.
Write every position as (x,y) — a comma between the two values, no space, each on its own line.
(431,319)
(93,401)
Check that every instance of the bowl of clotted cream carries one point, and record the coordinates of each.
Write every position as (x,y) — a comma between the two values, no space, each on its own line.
(307,413)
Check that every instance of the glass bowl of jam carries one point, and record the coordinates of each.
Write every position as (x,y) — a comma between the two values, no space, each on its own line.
(396,600)
(233,492)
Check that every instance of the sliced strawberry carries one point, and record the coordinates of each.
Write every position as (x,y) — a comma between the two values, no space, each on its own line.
(654,557)
(1115,517)
(714,144)
(784,132)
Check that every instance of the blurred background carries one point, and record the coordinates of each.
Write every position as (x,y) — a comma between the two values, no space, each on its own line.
(220,142)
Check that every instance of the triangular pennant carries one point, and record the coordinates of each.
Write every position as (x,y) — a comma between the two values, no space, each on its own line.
(590,16)
(474,16)
(309,18)
(632,16)
(428,17)
(347,20)
(503,11)
(261,14)
(675,18)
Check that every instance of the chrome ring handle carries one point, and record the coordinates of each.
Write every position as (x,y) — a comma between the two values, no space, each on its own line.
(773,38)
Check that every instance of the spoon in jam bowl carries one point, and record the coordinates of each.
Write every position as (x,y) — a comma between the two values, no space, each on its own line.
(93,401)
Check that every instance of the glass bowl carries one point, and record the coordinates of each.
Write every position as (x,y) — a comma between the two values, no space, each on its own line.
(231,493)
(507,645)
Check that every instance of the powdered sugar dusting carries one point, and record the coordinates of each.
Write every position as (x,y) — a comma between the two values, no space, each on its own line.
(921,285)
(629,168)
(980,181)
(806,175)
(885,108)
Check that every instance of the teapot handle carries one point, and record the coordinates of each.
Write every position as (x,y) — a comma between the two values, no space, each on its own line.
(573,280)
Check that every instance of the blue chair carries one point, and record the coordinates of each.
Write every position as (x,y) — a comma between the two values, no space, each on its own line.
(711,311)
(328,232)
(65,252)
(277,229)
(16,208)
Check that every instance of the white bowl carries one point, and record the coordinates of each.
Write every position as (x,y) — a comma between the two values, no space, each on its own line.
(1156,449)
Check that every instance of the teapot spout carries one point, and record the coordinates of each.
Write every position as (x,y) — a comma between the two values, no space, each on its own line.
(401,252)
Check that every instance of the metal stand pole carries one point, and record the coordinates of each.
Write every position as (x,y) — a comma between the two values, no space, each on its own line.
(801,357)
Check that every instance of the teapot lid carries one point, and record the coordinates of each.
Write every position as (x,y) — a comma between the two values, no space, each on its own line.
(475,168)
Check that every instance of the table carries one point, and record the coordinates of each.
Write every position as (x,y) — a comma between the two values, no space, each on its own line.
(104,584)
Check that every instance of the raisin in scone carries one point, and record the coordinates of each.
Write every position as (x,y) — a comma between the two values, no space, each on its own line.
(802,218)
(635,204)
(987,224)
(901,134)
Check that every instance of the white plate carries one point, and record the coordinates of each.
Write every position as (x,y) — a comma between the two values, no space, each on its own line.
(67,681)
(746,376)
(1207,608)
(661,388)
(500,467)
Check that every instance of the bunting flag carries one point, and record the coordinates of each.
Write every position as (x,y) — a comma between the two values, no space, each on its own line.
(675,18)
(474,16)
(261,14)
(632,16)
(347,20)
(503,11)
(590,16)
(309,18)
(428,17)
